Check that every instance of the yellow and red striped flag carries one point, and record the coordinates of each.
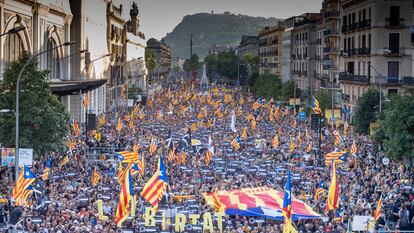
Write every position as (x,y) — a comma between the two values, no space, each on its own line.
(25,179)
(75,127)
(96,176)
(155,188)
(152,147)
(124,206)
(22,200)
(244,133)
(333,193)
(141,164)
(378,209)
(354,149)
(119,125)
(64,161)
(127,156)
(275,141)
(235,143)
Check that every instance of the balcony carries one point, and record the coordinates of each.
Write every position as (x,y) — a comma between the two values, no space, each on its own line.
(393,80)
(273,42)
(394,52)
(344,77)
(331,14)
(365,24)
(409,81)
(394,23)
(364,51)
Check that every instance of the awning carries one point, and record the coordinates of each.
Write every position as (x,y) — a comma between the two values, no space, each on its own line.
(72,87)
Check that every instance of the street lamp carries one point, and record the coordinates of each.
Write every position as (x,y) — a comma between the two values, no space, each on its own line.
(30,60)
(14,30)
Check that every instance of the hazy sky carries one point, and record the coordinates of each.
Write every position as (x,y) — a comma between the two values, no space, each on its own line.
(158,17)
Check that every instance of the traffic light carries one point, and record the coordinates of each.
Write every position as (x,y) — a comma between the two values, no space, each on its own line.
(315,121)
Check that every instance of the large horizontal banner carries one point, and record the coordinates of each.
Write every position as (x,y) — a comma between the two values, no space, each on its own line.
(262,202)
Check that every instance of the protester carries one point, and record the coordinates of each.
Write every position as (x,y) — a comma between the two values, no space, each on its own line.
(67,200)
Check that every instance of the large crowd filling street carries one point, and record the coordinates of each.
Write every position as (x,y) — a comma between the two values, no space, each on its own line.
(255,141)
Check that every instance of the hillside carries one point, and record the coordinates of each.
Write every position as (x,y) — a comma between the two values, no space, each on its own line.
(207,29)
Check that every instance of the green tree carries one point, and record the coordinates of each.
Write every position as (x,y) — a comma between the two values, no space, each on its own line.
(397,124)
(43,121)
(150,60)
(287,91)
(268,86)
(324,98)
(367,109)
(192,64)
(227,65)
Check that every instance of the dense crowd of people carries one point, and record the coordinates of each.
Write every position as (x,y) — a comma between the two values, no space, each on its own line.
(67,200)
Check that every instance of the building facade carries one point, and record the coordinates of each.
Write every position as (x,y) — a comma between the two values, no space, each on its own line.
(304,36)
(249,45)
(162,55)
(98,27)
(376,42)
(46,25)
(270,49)
(331,43)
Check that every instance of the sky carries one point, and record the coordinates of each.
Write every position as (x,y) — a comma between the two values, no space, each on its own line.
(158,17)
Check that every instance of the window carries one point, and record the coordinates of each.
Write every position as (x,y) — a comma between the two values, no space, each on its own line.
(364,14)
(393,70)
(364,38)
(351,67)
(53,60)
(394,15)
(394,42)
(344,20)
(13,48)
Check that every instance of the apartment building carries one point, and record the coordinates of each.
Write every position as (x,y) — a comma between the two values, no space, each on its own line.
(249,45)
(270,49)
(331,42)
(376,48)
(304,35)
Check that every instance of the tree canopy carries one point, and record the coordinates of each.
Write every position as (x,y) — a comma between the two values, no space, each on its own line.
(397,126)
(367,109)
(43,120)
(150,60)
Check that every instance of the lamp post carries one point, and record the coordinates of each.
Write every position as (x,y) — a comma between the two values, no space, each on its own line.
(14,30)
(30,60)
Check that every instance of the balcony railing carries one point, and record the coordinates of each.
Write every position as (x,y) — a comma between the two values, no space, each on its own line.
(357,25)
(409,81)
(394,52)
(364,51)
(353,78)
(394,23)
(393,80)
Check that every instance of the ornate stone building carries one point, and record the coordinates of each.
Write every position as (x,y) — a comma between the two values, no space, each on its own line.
(47,25)
(99,28)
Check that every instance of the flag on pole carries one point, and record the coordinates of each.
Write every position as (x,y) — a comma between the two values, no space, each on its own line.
(75,127)
(333,193)
(209,151)
(141,164)
(287,207)
(235,143)
(127,156)
(171,152)
(119,125)
(124,206)
(156,187)
(233,122)
(64,161)
(244,134)
(96,176)
(48,166)
(153,147)
(26,178)
(378,209)
(292,146)
(354,149)
(315,105)
(320,190)
(275,141)
(22,200)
